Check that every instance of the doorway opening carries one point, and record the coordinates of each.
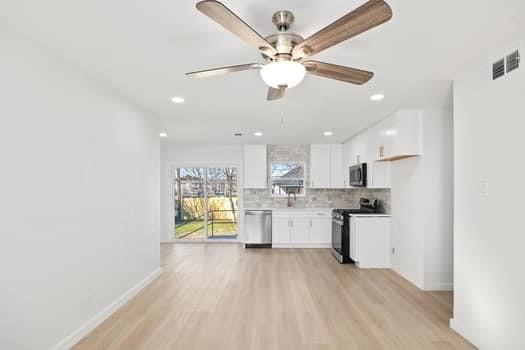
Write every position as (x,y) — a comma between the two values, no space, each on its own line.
(206,203)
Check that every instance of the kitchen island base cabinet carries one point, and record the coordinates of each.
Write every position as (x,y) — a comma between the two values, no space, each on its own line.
(370,241)
(301,229)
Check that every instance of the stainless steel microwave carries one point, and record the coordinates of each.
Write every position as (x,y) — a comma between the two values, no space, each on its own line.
(358,175)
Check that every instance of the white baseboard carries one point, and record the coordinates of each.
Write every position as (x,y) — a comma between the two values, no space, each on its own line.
(301,245)
(438,287)
(406,277)
(473,337)
(96,320)
(427,287)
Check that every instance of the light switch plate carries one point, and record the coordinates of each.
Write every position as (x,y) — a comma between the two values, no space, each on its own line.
(484,188)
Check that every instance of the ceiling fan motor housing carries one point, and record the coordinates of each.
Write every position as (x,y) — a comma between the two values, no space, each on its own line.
(283,41)
(283,20)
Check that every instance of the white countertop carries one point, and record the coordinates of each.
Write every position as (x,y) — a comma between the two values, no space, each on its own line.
(291,209)
(309,211)
(371,215)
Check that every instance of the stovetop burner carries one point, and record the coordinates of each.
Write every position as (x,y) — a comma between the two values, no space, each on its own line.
(366,207)
(354,211)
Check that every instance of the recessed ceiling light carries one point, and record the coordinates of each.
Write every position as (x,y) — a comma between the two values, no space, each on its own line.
(257,133)
(163,134)
(177,99)
(377,97)
(328,133)
(390,132)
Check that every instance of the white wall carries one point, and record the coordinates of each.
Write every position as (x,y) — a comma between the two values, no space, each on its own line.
(79,197)
(422,207)
(489,235)
(191,155)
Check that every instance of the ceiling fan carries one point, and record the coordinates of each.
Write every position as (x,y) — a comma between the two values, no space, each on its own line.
(285,52)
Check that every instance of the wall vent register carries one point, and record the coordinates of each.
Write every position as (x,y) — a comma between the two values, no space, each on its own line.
(511,62)
(498,69)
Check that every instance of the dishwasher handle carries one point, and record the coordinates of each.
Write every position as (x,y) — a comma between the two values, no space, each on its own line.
(258,212)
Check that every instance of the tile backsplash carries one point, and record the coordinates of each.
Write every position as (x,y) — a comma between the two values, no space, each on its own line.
(318,198)
(314,198)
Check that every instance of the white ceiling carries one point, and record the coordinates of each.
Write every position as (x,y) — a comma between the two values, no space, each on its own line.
(143,48)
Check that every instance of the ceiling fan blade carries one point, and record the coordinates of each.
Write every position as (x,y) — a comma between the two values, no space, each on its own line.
(229,20)
(333,71)
(224,70)
(366,17)
(275,94)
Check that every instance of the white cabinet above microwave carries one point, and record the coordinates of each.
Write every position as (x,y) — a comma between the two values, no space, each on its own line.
(398,136)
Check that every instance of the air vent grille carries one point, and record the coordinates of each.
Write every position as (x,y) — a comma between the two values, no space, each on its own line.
(498,69)
(513,61)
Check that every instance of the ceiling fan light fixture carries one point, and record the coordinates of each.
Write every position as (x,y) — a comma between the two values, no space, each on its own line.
(283,73)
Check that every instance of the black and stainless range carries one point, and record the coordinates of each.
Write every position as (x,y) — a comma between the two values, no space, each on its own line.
(341,228)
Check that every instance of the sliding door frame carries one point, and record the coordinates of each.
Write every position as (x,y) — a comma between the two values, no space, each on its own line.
(171,207)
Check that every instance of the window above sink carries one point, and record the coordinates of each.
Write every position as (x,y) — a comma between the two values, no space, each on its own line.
(287,178)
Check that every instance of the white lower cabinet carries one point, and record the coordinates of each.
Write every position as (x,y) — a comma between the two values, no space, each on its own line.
(370,241)
(301,229)
(321,230)
(281,232)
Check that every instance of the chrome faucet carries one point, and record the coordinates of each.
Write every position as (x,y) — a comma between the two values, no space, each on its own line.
(294,199)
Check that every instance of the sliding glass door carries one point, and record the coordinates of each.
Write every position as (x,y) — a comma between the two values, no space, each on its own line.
(206,202)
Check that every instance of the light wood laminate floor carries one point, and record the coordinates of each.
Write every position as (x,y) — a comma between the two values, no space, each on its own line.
(221,296)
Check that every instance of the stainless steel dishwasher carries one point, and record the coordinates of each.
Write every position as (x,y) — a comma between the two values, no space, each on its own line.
(258,228)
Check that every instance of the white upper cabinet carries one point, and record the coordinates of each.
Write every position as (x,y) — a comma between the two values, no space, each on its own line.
(255,173)
(327,168)
(357,150)
(337,172)
(379,175)
(347,151)
(320,166)
(400,136)
(396,137)
(386,139)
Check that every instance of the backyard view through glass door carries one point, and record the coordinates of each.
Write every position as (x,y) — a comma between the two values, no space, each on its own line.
(206,202)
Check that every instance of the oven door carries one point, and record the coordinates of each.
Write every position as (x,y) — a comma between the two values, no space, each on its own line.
(337,238)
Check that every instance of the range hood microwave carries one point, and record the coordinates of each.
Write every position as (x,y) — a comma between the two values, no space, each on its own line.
(357,175)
